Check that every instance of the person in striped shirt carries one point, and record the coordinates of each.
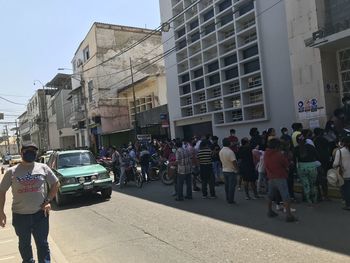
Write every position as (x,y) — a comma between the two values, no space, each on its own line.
(206,169)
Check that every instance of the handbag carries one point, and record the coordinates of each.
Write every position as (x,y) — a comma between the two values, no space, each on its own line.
(335,175)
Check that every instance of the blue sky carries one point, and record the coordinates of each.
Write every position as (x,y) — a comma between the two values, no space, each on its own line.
(39,36)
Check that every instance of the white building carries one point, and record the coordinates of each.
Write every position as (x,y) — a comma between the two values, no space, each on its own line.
(231,67)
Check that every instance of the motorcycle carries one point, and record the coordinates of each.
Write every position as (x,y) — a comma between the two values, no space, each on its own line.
(167,172)
(133,174)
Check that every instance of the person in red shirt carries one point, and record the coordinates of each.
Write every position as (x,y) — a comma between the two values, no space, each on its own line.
(234,142)
(276,165)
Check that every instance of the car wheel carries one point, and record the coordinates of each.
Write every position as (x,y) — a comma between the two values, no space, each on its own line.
(106,193)
(139,179)
(60,199)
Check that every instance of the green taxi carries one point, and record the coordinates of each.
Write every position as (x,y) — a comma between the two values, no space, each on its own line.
(79,173)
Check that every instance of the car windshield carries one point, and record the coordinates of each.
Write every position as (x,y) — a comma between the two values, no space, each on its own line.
(74,159)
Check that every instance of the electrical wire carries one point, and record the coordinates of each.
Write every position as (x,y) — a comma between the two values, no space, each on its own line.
(11,101)
(153,32)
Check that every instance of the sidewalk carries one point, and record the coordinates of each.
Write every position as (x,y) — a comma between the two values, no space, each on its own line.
(9,242)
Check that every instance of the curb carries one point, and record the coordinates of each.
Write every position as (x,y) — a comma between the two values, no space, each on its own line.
(56,253)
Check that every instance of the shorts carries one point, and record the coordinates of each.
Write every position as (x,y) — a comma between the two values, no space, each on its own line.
(281,186)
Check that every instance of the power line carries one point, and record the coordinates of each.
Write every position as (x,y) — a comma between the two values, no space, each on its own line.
(11,101)
(157,30)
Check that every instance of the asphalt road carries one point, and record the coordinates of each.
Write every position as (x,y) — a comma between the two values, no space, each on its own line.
(147,225)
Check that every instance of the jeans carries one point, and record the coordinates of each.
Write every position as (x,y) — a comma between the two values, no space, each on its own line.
(181,178)
(217,170)
(262,182)
(278,185)
(346,192)
(230,185)
(207,176)
(122,177)
(116,173)
(38,226)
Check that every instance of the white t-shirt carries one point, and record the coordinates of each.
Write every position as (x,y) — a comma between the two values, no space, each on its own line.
(345,155)
(29,186)
(227,157)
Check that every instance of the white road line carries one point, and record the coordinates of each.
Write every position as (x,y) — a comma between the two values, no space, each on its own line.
(6,241)
(7,258)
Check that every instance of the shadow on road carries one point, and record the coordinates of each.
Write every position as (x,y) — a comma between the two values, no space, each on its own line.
(80,201)
(325,226)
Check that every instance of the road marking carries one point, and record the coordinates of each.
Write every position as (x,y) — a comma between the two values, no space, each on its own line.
(6,241)
(2,259)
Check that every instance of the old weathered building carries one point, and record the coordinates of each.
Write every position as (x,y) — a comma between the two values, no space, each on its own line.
(101,66)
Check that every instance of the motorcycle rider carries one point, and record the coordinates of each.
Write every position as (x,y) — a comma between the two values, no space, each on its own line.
(145,161)
(124,163)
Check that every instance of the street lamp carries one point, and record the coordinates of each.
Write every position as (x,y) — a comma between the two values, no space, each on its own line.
(46,115)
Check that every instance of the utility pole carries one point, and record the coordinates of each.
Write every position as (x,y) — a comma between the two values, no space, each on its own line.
(8,140)
(134,98)
(82,83)
(17,136)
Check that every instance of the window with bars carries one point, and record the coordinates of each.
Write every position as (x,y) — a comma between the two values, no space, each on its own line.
(237,115)
(188,100)
(254,82)
(201,97)
(255,97)
(236,102)
(217,105)
(216,92)
(234,87)
(229,33)
(202,108)
(250,38)
(249,23)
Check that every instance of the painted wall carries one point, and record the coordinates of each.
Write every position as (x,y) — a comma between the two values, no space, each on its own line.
(302,20)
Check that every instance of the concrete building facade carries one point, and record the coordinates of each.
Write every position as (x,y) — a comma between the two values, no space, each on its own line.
(231,67)
(101,66)
(263,63)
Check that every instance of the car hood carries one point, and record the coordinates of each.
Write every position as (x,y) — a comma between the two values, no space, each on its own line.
(82,170)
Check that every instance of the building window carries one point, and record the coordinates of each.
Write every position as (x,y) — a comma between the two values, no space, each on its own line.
(208,15)
(226,19)
(230,60)
(246,8)
(210,28)
(182,44)
(90,89)
(251,66)
(214,79)
(181,32)
(197,73)
(186,89)
(86,53)
(185,78)
(231,73)
(213,66)
(249,52)
(254,82)
(199,84)
(195,37)
(194,24)
(225,4)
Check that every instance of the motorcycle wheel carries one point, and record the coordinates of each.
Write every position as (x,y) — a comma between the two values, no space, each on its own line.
(166,179)
(138,179)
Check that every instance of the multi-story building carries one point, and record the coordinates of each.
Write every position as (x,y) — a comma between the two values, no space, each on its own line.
(37,118)
(59,111)
(24,127)
(319,40)
(230,68)
(101,66)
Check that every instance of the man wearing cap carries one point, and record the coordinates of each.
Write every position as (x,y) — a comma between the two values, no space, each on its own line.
(34,185)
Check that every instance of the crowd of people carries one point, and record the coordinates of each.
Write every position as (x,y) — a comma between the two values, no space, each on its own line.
(264,164)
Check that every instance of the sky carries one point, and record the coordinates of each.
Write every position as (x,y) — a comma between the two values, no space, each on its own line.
(40,36)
